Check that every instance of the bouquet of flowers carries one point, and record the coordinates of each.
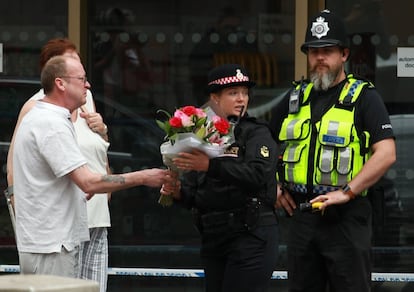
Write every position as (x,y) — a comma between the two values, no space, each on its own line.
(188,128)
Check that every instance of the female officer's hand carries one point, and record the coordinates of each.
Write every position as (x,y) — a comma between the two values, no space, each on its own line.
(195,160)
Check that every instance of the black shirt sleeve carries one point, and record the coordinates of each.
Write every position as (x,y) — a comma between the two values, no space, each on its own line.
(372,116)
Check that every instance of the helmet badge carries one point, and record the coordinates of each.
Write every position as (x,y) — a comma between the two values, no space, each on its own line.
(239,74)
(320,28)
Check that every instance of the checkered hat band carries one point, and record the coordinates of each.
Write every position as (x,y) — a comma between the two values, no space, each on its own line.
(228,80)
(317,190)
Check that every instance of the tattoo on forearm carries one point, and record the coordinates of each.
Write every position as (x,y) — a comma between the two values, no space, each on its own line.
(113,178)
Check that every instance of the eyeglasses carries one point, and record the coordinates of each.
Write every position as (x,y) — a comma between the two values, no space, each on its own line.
(84,79)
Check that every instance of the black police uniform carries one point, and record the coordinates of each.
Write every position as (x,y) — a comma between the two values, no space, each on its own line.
(233,203)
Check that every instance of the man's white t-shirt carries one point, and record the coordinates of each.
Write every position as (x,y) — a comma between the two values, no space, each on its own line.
(95,150)
(50,208)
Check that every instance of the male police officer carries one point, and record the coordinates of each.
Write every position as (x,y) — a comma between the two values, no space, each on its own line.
(338,141)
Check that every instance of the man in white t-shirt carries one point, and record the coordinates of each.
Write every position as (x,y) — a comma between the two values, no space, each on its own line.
(51,175)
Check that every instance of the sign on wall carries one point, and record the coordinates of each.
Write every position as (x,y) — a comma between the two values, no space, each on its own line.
(405,62)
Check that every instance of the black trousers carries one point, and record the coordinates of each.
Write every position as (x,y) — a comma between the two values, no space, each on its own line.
(332,249)
(240,261)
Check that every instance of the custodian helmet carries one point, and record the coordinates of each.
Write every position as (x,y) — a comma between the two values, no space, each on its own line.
(325,29)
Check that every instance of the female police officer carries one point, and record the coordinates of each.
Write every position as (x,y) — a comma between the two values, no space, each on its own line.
(233,195)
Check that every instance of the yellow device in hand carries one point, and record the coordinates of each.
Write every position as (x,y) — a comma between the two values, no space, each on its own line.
(314,207)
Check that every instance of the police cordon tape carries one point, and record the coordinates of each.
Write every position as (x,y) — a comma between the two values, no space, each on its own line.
(196,273)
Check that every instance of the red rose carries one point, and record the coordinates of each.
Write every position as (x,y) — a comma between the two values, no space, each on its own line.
(189,110)
(222,126)
(175,122)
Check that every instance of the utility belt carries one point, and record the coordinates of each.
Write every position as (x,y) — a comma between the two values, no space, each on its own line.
(299,192)
(317,189)
(300,198)
(254,214)
(330,213)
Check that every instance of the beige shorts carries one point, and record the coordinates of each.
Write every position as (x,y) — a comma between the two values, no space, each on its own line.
(63,264)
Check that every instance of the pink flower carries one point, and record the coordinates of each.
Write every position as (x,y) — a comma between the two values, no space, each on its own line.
(200,113)
(215,139)
(186,120)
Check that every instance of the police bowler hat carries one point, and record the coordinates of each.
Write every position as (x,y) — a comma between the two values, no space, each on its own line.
(228,75)
(325,29)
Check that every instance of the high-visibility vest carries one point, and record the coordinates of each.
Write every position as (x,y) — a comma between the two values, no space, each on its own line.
(330,152)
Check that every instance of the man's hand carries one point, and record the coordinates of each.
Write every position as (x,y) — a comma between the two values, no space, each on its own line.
(332,198)
(154,177)
(284,200)
(172,186)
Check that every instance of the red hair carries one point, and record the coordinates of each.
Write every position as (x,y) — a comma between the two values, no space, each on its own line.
(55,47)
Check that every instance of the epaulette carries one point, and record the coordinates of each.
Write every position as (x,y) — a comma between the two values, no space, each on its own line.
(369,82)
(297,82)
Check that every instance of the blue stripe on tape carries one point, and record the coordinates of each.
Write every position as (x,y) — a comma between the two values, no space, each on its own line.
(195,273)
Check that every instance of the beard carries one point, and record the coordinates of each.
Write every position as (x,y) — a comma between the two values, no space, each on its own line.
(323,81)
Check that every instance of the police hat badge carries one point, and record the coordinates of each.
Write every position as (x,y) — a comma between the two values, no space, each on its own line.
(325,29)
